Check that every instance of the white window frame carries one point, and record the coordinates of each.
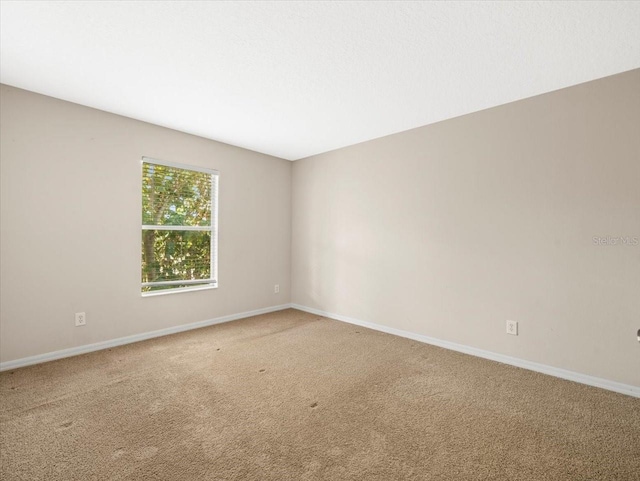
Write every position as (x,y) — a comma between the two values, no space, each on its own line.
(201,284)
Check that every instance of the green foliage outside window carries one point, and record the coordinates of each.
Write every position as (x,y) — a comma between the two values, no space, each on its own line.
(175,197)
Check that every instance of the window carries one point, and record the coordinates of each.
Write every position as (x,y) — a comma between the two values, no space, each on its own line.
(179,227)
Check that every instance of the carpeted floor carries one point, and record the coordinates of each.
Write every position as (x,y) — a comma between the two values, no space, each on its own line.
(292,396)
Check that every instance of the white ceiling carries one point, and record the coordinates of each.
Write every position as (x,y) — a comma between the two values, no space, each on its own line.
(293,79)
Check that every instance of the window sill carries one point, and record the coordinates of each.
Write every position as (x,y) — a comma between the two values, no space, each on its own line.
(176,291)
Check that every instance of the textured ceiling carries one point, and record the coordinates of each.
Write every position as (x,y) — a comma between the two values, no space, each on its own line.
(293,79)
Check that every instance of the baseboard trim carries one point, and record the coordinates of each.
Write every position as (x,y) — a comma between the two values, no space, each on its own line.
(618,387)
(621,388)
(75,351)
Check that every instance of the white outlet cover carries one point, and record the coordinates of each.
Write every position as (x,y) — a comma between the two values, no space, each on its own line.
(512,327)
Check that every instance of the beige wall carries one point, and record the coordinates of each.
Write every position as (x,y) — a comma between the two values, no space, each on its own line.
(70,226)
(450,229)
(446,230)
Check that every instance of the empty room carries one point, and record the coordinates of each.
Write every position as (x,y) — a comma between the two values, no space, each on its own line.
(319,240)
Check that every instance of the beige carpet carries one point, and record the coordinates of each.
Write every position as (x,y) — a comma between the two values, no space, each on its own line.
(291,396)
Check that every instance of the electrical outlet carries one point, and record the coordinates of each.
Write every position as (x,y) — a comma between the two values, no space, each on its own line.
(81,319)
(512,328)
(276,288)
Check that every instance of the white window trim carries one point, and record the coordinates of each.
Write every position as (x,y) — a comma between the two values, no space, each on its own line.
(200,284)
(166,292)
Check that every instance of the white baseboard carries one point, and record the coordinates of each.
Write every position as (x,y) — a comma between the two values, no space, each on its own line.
(74,351)
(532,366)
(513,361)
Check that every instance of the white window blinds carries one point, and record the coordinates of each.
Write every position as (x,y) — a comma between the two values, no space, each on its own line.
(179,226)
